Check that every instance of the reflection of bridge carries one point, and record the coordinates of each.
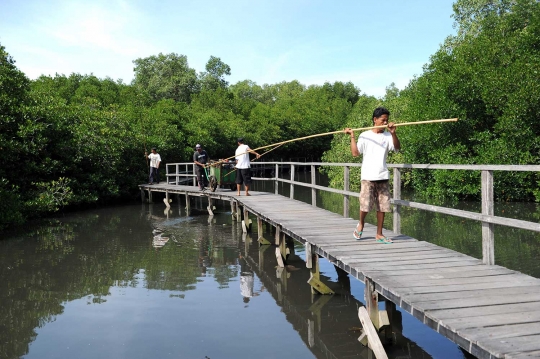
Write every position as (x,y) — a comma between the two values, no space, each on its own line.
(488,310)
(329,325)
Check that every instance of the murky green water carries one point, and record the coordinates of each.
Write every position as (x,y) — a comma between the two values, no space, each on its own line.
(99,284)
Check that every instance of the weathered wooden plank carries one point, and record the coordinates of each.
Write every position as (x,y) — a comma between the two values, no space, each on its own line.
(442,314)
(418,262)
(511,345)
(515,291)
(397,257)
(457,287)
(476,301)
(461,272)
(502,331)
(493,320)
(373,337)
(381,250)
(523,355)
(435,282)
(388,266)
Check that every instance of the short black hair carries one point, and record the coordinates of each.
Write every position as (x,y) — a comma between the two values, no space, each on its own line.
(379,111)
(240,140)
(154,149)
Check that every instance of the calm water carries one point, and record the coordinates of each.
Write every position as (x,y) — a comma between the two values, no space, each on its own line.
(96,284)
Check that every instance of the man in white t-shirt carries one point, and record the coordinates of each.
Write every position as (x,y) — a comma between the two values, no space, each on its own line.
(243,166)
(374,145)
(155,160)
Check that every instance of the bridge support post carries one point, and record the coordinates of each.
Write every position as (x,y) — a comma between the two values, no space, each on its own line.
(313,190)
(166,200)
(346,171)
(149,196)
(143,196)
(188,207)
(371,333)
(276,183)
(379,318)
(210,206)
(292,180)
(238,213)
(280,243)
(260,232)
(488,237)
(397,207)
(246,223)
(317,287)
(233,211)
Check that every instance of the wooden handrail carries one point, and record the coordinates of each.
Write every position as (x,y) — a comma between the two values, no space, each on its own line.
(486,217)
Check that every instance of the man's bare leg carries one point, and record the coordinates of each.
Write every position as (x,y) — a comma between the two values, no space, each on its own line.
(360,225)
(238,187)
(247,190)
(380,222)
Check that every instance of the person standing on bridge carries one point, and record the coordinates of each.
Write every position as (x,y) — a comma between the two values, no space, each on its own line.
(243,166)
(374,145)
(155,160)
(200,158)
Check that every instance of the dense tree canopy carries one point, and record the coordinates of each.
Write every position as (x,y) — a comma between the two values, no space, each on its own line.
(78,139)
(488,76)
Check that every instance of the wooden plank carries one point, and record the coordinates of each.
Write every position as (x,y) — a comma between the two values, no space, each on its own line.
(462,272)
(515,291)
(417,262)
(502,331)
(397,257)
(476,301)
(373,337)
(500,347)
(474,268)
(279,258)
(493,320)
(443,314)
(435,282)
(523,355)
(458,287)
(309,254)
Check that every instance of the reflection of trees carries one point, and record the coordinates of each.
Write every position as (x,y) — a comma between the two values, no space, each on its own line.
(84,257)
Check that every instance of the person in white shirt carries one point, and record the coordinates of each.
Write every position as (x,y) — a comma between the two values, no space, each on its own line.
(374,145)
(155,160)
(243,166)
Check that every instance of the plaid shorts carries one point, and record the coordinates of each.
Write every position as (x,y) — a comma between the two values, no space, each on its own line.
(375,193)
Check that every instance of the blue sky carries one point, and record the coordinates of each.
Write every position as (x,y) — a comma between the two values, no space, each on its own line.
(370,43)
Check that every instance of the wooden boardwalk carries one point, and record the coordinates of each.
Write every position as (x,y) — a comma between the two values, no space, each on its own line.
(490,311)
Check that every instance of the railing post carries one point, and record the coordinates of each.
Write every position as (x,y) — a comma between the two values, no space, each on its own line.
(193,171)
(313,190)
(177,174)
(276,186)
(488,237)
(292,179)
(346,185)
(397,196)
(167,174)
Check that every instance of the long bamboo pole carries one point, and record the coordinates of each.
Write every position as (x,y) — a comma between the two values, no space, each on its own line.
(342,131)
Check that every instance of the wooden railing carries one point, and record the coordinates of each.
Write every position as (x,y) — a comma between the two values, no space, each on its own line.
(486,216)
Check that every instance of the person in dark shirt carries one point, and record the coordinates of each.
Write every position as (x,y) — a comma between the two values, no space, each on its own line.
(200,158)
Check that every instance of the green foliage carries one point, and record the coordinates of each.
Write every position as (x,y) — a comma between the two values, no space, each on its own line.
(488,77)
(166,77)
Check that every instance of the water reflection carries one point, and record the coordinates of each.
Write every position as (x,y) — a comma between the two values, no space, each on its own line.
(108,283)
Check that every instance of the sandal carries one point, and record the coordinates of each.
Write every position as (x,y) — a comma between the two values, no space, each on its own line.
(384,240)
(357,234)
